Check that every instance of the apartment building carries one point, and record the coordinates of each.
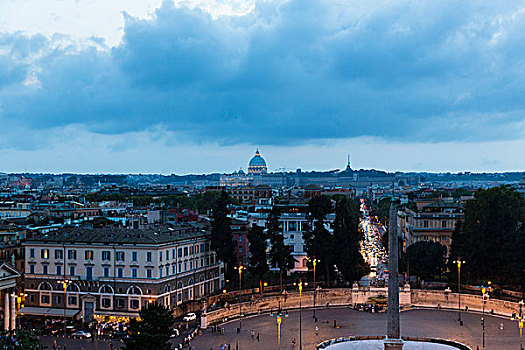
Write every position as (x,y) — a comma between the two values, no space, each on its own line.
(430,221)
(117,271)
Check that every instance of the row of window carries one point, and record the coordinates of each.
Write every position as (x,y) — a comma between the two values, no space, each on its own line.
(121,255)
(183,267)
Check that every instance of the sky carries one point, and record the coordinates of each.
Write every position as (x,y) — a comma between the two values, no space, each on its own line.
(189,86)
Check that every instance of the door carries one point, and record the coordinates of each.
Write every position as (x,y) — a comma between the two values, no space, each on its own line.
(89,310)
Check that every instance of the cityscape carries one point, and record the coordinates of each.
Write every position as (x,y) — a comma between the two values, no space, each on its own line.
(261,174)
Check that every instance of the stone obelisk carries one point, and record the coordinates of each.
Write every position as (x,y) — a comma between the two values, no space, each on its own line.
(393,335)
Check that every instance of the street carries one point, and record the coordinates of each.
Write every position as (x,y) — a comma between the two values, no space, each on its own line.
(414,323)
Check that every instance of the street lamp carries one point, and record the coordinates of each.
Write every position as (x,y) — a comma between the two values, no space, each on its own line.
(240,268)
(459,262)
(484,293)
(300,285)
(65,283)
(520,323)
(314,262)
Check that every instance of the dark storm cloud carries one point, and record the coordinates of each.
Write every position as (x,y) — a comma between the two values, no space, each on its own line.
(409,70)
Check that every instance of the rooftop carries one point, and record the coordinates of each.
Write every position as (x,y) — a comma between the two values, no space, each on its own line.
(110,235)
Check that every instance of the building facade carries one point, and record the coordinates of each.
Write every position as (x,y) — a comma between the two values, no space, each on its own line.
(433,222)
(116,272)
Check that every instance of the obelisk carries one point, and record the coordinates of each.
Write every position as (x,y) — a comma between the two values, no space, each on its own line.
(393,339)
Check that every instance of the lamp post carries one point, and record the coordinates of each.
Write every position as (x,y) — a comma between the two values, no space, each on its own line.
(484,293)
(314,262)
(520,322)
(459,262)
(240,268)
(300,285)
(65,283)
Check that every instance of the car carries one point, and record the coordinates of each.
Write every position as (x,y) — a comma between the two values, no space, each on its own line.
(81,334)
(120,335)
(189,317)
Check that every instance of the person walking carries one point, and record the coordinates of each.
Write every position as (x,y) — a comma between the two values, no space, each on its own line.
(258,337)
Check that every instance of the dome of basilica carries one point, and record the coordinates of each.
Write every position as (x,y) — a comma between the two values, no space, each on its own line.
(257,164)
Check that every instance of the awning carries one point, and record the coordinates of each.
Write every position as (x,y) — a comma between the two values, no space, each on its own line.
(47,311)
(116,313)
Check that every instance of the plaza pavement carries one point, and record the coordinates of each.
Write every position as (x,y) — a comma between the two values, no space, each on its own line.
(414,323)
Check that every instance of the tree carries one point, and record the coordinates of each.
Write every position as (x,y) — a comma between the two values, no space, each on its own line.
(258,245)
(426,259)
(280,253)
(491,237)
(382,209)
(221,233)
(153,331)
(347,238)
(20,339)
(318,240)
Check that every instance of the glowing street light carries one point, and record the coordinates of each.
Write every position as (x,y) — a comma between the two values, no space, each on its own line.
(459,262)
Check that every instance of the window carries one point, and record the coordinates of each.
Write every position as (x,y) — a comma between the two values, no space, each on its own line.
(292,236)
(160,272)
(292,226)
(32,268)
(240,238)
(444,224)
(89,273)
(120,272)
(120,302)
(185,266)
(134,256)
(72,270)
(59,254)
(134,272)
(425,223)
(106,255)
(167,270)
(160,256)
(148,257)
(196,249)
(443,238)
(44,269)
(180,267)
(106,272)
(71,254)
(167,255)
(180,253)
(106,302)
(191,250)
(44,253)
(134,304)
(59,270)
(185,251)
(202,247)
(45,299)
(173,269)
(32,252)
(89,255)
(240,249)
(119,256)
(173,255)
(58,299)
(72,300)
(149,273)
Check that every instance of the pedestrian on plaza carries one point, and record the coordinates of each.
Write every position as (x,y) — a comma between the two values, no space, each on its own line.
(252,333)
(316,331)
(293,343)
(54,344)
(258,337)
(335,323)
(229,347)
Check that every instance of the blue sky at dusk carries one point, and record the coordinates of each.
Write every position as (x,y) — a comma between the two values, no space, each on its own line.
(196,86)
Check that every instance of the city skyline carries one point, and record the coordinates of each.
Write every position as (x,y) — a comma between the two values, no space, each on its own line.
(196,86)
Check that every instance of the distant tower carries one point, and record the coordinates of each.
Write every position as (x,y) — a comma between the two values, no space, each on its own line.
(348,168)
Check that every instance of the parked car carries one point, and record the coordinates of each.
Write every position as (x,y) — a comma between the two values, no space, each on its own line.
(120,335)
(189,317)
(81,334)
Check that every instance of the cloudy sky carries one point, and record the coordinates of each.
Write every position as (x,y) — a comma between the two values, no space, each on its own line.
(184,86)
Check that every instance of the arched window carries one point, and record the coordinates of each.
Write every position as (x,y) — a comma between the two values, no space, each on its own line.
(201,278)
(45,286)
(167,289)
(134,290)
(180,285)
(73,288)
(105,289)
(190,282)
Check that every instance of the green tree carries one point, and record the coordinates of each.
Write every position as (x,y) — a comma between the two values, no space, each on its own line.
(153,331)
(221,234)
(347,237)
(19,339)
(382,209)
(319,242)
(280,253)
(258,260)
(491,237)
(426,259)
